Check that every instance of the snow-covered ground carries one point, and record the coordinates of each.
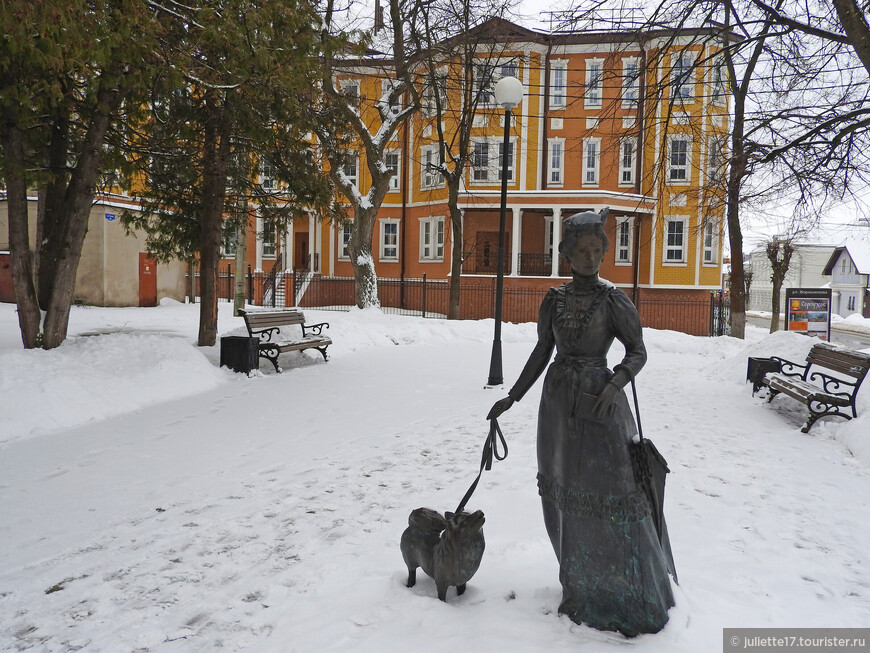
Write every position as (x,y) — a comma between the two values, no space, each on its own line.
(150,501)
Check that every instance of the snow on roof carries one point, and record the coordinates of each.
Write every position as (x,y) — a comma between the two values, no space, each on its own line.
(859,252)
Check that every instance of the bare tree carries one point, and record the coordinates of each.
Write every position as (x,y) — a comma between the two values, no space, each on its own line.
(462,54)
(779,253)
(369,127)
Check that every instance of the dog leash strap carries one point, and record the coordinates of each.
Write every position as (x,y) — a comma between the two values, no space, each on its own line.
(490,451)
(637,410)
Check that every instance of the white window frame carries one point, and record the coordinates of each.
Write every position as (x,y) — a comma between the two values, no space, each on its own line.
(346,84)
(396,176)
(682,76)
(680,173)
(429,107)
(267,174)
(627,170)
(269,245)
(344,235)
(717,83)
(558,84)
(429,178)
(593,88)
(591,154)
(623,252)
(351,168)
(675,244)
(389,251)
(387,86)
(715,160)
(630,82)
(432,239)
(229,243)
(555,162)
(497,69)
(491,172)
(710,242)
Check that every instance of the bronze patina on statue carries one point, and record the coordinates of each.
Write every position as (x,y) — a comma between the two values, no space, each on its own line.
(448,548)
(613,568)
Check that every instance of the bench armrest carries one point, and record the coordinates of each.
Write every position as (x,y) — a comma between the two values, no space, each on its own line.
(265,335)
(832,385)
(316,329)
(788,368)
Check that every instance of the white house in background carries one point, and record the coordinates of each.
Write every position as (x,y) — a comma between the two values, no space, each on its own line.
(849,269)
(805,271)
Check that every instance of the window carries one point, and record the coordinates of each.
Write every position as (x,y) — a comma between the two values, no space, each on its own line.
(432,239)
(487,74)
(681,76)
(486,165)
(714,160)
(229,240)
(268,239)
(675,240)
(591,157)
(630,82)
(389,239)
(717,84)
(850,305)
(344,241)
(267,174)
(350,89)
(480,161)
(351,167)
(429,163)
(387,86)
(594,83)
(436,83)
(624,239)
(510,160)
(627,149)
(557,156)
(558,84)
(678,160)
(711,242)
(391,160)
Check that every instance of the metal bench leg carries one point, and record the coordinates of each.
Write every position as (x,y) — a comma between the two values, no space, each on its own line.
(322,351)
(271,354)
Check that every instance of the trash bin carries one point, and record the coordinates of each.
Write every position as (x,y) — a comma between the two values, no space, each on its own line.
(757,367)
(240,353)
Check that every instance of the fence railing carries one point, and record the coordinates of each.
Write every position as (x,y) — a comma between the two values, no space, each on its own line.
(696,315)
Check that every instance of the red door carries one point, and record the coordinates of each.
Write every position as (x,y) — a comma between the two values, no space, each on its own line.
(147,280)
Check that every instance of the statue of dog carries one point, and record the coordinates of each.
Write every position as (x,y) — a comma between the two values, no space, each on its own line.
(448,548)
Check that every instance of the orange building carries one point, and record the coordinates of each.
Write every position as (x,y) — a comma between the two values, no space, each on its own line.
(606,120)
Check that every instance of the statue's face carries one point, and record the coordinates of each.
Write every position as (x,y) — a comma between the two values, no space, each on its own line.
(587,254)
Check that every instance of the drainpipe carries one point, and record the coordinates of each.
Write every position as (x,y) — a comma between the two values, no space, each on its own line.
(641,140)
(546,116)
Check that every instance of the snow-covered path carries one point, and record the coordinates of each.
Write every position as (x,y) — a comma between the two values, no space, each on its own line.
(265,513)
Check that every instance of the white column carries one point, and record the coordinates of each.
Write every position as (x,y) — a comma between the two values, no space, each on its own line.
(315,243)
(258,262)
(557,238)
(515,240)
(288,259)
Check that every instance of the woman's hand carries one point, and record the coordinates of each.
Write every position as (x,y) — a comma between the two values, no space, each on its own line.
(499,407)
(606,401)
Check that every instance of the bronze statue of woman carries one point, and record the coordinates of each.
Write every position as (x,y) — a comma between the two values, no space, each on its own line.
(612,566)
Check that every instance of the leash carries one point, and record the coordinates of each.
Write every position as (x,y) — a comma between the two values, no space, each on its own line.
(490,451)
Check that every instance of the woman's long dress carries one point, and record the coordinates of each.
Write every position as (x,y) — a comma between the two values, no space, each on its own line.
(613,569)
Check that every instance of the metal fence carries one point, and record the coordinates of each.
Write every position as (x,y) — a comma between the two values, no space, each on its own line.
(696,315)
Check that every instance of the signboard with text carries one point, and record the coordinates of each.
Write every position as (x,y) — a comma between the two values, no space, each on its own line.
(808,311)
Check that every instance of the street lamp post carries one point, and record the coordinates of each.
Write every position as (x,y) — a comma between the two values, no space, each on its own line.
(508,94)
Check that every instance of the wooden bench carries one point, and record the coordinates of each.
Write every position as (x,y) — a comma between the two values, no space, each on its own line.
(267,325)
(826,385)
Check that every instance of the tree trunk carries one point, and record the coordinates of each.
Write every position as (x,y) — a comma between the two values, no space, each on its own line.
(735,240)
(216,159)
(360,246)
(239,295)
(72,220)
(455,254)
(19,229)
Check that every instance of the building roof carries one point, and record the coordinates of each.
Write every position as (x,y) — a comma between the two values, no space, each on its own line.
(858,251)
